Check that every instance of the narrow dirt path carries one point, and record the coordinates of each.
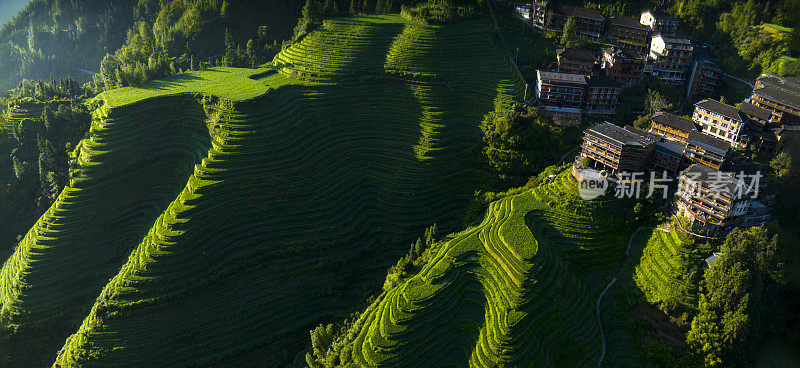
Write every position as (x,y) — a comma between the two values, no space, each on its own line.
(600,298)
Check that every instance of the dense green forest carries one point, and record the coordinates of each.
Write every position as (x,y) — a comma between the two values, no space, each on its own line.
(61,38)
(42,122)
(70,38)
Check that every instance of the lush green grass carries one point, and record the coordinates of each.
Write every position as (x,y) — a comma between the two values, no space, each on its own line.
(511,291)
(775,28)
(228,248)
(233,83)
(669,270)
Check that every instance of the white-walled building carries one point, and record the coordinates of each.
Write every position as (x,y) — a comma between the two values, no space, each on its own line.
(719,120)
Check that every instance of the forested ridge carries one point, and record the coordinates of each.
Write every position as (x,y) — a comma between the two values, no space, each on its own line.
(71,37)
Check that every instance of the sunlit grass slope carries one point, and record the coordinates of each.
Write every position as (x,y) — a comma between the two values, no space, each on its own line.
(511,291)
(666,271)
(291,211)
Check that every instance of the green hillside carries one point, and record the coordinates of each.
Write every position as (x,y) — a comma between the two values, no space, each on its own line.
(263,204)
(516,290)
(668,272)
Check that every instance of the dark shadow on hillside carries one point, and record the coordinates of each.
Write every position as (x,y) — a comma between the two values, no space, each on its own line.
(119,201)
(171,82)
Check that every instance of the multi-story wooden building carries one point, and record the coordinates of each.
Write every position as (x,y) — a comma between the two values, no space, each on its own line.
(667,156)
(713,200)
(757,117)
(617,149)
(703,75)
(671,127)
(588,22)
(561,96)
(566,96)
(672,57)
(706,150)
(575,61)
(629,34)
(779,95)
(624,66)
(757,131)
(602,95)
(660,22)
(719,120)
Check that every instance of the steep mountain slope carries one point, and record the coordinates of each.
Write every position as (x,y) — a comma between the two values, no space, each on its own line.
(668,272)
(304,193)
(511,291)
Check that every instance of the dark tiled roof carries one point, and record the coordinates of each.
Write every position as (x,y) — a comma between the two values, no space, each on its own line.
(619,53)
(604,81)
(576,54)
(629,22)
(670,148)
(771,92)
(755,111)
(562,77)
(716,181)
(792,84)
(677,122)
(719,108)
(608,131)
(579,12)
(649,137)
(708,142)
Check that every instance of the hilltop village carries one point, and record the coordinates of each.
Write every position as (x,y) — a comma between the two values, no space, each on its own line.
(715,186)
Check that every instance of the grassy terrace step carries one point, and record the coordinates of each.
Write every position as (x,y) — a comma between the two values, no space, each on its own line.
(306,193)
(77,245)
(496,294)
(664,271)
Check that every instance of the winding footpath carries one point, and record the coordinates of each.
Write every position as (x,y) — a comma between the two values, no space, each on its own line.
(600,298)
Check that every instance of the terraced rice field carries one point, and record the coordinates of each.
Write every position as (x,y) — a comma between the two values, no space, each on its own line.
(666,270)
(504,293)
(14,114)
(258,216)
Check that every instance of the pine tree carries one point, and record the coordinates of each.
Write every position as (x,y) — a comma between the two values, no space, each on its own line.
(311,11)
(570,34)
(230,51)
(379,7)
(250,51)
(365,7)
(330,8)
(354,10)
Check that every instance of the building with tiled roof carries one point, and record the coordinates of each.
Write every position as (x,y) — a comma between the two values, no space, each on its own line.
(719,120)
(575,61)
(671,127)
(615,148)
(705,149)
(779,95)
(712,199)
(660,22)
(629,34)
